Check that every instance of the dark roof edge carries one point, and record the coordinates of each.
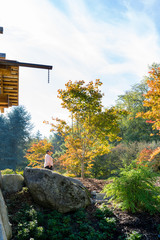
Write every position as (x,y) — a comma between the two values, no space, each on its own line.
(22,64)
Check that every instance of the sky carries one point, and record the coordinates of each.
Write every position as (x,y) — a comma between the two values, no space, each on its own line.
(111,40)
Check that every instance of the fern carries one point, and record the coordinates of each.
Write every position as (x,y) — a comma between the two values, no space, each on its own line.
(134,190)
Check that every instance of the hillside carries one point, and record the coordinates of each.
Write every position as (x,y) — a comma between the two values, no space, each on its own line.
(126,223)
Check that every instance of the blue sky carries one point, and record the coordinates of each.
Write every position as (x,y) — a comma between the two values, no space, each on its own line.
(114,40)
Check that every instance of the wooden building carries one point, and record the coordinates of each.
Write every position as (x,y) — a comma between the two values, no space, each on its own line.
(9,80)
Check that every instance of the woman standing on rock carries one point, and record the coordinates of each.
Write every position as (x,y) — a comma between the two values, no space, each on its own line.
(48,162)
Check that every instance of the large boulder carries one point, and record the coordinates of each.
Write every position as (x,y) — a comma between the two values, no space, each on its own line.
(12,183)
(55,191)
(5,226)
(77,181)
(0,179)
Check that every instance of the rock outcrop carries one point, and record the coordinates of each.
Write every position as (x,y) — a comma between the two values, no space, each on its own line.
(5,226)
(76,181)
(0,179)
(55,191)
(12,183)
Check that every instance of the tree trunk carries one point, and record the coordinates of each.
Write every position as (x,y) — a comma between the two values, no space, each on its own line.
(82,169)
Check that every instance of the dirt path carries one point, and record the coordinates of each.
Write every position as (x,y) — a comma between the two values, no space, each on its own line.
(93,184)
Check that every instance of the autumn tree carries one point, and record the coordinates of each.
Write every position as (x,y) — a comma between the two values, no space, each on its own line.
(149,157)
(92,128)
(35,154)
(152,115)
(152,98)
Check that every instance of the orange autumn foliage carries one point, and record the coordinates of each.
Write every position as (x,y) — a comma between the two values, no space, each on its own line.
(72,159)
(150,158)
(92,127)
(152,99)
(152,115)
(35,154)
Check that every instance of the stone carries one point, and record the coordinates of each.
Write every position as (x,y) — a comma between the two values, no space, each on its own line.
(5,226)
(100,196)
(2,231)
(12,183)
(0,180)
(76,181)
(55,191)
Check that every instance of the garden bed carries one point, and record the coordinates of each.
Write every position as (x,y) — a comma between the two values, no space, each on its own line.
(143,223)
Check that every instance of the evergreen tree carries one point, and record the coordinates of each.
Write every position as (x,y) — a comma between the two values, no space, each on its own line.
(16,128)
(3,139)
(57,141)
(38,136)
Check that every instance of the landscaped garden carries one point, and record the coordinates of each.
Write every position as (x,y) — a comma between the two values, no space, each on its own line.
(129,215)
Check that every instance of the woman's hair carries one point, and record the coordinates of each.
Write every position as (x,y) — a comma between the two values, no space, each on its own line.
(47,151)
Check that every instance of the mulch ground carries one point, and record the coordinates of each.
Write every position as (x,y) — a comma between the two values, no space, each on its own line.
(93,184)
(143,223)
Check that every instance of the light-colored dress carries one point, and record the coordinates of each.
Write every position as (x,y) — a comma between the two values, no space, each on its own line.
(48,160)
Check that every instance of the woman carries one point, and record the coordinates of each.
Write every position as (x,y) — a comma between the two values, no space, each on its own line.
(48,162)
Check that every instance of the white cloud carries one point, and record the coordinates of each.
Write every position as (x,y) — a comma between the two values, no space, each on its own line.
(149,3)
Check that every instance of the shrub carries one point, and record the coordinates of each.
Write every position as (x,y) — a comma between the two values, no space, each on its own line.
(150,157)
(119,156)
(23,234)
(72,175)
(30,223)
(17,171)
(107,212)
(80,215)
(134,236)
(134,190)
(39,233)
(32,226)
(99,214)
(7,171)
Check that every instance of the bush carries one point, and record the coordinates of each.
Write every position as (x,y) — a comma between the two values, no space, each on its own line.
(30,223)
(11,171)
(18,171)
(72,175)
(134,236)
(7,171)
(120,155)
(150,157)
(107,212)
(134,190)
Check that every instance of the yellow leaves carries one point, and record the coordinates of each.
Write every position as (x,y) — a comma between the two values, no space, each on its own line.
(35,154)
(131,118)
(85,138)
(152,99)
(140,114)
(155,152)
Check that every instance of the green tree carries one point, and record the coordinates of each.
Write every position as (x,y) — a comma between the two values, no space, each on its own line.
(16,129)
(132,128)
(120,156)
(57,141)
(38,136)
(3,139)
(59,149)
